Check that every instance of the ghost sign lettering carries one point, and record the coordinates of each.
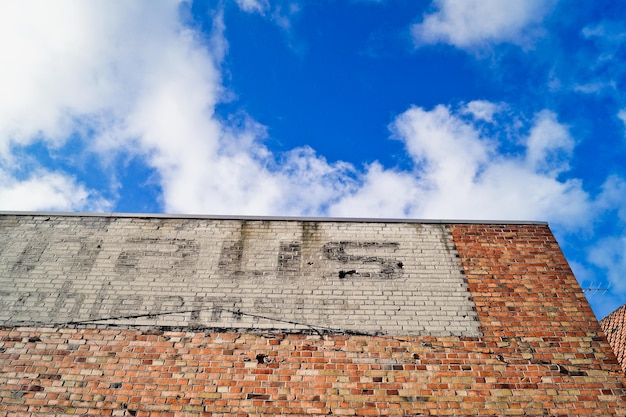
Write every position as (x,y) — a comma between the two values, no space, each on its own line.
(233,274)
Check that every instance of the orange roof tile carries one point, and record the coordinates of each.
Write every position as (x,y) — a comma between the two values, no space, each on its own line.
(614,327)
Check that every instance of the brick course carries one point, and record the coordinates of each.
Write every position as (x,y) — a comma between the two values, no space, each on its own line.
(539,352)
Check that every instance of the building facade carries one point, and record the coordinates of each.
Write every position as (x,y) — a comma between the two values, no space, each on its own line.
(142,315)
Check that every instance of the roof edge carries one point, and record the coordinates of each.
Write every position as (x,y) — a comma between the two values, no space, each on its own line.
(268,218)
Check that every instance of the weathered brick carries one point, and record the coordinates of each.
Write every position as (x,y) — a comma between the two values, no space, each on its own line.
(325,276)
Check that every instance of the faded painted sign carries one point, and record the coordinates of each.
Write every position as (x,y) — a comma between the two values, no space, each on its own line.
(279,275)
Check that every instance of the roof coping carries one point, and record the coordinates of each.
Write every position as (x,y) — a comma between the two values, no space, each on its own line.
(269,218)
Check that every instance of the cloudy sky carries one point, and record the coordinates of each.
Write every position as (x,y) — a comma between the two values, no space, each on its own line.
(445,109)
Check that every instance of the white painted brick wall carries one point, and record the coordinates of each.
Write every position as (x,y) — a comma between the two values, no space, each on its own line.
(388,278)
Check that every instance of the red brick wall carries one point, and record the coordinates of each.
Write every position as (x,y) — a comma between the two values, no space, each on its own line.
(537,321)
(542,353)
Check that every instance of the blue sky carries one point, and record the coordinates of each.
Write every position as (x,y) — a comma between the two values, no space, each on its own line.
(476,109)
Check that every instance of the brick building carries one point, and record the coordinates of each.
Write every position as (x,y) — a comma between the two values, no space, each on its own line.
(139,315)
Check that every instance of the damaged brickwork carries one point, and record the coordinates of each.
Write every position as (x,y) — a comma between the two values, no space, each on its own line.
(537,348)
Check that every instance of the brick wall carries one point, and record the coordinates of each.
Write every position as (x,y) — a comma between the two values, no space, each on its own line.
(537,321)
(539,351)
(385,278)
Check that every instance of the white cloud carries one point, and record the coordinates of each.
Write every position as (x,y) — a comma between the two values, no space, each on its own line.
(594,87)
(549,145)
(311,185)
(622,116)
(143,84)
(607,31)
(281,13)
(462,174)
(69,59)
(47,191)
(481,110)
(600,55)
(613,197)
(470,23)
(253,6)
(435,138)
(381,193)
(68,68)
